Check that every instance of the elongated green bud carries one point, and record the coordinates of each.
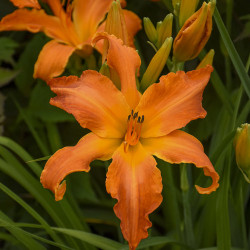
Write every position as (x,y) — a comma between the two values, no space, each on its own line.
(176,5)
(208,59)
(150,30)
(213,5)
(157,64)
(115,25)
(164,30)
(242,150)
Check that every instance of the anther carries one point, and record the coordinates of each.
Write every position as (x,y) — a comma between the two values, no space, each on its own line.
(135,115)
(139,119)
(132,112)
(129,117)
(142,119)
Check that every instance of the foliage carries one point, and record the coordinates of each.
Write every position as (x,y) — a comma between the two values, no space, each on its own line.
(84,219)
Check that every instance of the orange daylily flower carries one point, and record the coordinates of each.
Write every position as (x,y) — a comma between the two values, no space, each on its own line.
(129,128)
(72,29)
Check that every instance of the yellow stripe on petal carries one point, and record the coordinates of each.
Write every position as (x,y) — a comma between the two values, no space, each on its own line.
(75,159)
(180,147)
(135,181)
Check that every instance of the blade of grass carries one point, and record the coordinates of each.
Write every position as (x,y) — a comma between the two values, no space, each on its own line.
(43,147)
(15,170)
(36,168)
(31,211)
(9,238)
(56,210)
(159,241)
(171,211)
(53,136)
(219,87)
(19,234)
(90,238)
(222,208)
(221,91)
(238,65)
(16,228)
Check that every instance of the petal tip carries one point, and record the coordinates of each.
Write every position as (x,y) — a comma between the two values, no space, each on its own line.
(213,187)
(60,191)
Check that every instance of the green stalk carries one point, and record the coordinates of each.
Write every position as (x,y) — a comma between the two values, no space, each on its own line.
(43,147)
(186,205)
(171,209)
(242,214)
(53,136)
(229,13)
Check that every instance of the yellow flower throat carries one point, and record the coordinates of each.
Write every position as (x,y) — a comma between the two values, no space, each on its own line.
(133,133)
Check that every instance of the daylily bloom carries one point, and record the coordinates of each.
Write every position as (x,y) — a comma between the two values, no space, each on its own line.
(129,128)
(71,30)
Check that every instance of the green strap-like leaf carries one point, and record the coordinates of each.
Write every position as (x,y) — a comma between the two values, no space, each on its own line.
(238,65)
(95,240)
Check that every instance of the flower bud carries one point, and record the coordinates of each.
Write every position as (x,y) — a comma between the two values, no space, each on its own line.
(208,59)
(187,9)
(176,6)
(115,25)
(242,150)
(157,64)
(175,2)
(193,35)
(150,30)
(164,30)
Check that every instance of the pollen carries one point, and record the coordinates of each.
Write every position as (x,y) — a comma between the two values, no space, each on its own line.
(133,133)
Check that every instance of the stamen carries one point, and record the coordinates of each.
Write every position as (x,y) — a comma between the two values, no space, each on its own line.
(142,118)
(135,115)
(132,136)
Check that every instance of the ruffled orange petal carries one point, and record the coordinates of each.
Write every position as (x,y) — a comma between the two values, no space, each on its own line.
(26,3)
(65,17)
(133,23)
(136,183)
(34,21)
(75,159)
(88,14)
(174,102)
(126,62)
(52,60)
(56,7)
(180,147)
(94,101)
